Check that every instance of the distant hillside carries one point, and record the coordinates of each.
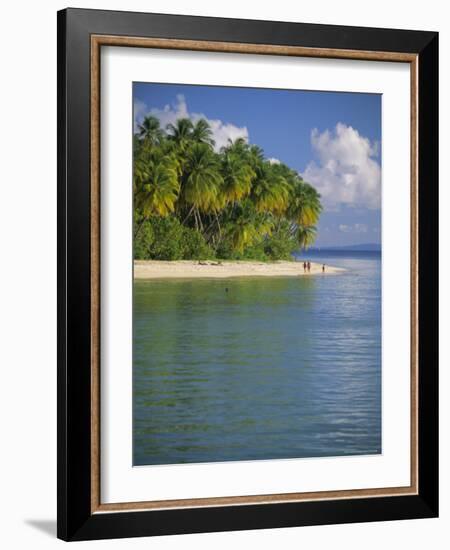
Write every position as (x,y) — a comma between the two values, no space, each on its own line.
(360,247)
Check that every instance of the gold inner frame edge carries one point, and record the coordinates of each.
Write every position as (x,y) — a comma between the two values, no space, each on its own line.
(97,41)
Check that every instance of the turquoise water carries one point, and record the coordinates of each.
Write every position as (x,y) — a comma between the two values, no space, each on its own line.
(262,368)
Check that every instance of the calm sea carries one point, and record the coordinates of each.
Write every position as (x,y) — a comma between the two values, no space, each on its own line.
(262,368)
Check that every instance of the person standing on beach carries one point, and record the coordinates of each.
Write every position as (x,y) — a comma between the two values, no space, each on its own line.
(323,268)
(304,267)
(309,266)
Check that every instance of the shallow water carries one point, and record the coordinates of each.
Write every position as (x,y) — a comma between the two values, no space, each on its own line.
(262,368)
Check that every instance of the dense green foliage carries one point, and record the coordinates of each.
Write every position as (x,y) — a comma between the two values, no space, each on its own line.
(191,202)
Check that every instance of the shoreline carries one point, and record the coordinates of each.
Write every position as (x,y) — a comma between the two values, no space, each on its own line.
(224,269)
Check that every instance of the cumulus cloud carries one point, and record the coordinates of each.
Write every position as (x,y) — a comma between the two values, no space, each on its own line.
(345,170)
(273,160)
(222,131)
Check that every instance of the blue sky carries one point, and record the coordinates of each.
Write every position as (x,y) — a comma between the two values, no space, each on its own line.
(332,139)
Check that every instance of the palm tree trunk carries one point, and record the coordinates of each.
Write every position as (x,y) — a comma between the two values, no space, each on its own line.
(196,220)
(188,216)
(218,224)
(199,220)
(140,227)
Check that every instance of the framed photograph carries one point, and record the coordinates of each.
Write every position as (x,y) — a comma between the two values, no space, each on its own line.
(247,255)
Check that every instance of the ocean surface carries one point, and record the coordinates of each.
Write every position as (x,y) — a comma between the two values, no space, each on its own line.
(259,368)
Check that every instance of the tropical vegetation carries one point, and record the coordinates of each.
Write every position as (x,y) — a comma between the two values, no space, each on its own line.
(193,202)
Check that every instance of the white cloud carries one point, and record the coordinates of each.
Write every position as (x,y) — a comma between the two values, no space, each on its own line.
(273,160)
(140,109)
(360,227)
(222,131)
(355,228)
(346,171)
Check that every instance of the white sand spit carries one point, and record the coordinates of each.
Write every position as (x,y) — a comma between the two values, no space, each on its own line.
(186,269)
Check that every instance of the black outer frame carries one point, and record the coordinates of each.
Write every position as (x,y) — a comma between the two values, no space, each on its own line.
(75,521)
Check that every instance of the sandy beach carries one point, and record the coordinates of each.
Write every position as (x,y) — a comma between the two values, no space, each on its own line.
(225,269)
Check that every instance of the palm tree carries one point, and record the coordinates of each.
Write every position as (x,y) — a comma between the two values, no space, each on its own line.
(238,147)
(156,187)
(306,235)
(270,191)
(201,182)
(255,156)
(236,199)
(248,227)
(237,177)
(202,133)
(304,204)
(150,130)
(181,132)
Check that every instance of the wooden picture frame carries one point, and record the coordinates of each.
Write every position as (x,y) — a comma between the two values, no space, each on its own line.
(81,35)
